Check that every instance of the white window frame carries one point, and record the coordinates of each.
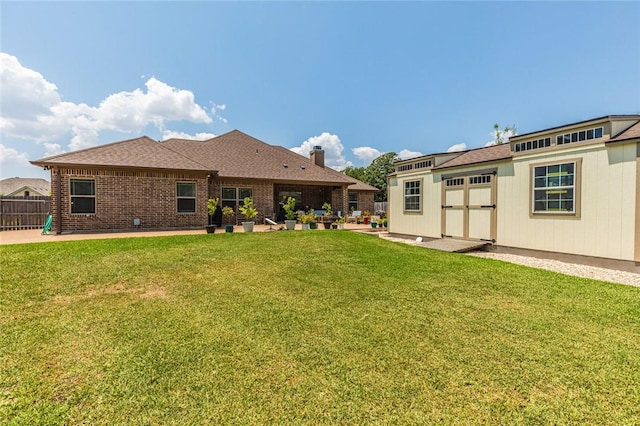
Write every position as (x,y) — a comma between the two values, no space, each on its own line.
(407,197)
(193,197)
(73,196)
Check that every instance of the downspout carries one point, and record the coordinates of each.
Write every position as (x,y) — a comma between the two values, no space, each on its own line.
(59,204)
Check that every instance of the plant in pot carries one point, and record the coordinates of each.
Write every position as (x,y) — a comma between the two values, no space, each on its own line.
(327,217)
(312,219)
(212,206)
(366,217)
(249,212)
(340,222)
(290,213)
(304,219)
(374,223)
(227,212)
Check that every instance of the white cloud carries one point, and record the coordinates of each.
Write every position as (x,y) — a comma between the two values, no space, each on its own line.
(457,147)
(366,154)
(11,155)
(52,149)
(170,134)
(33,109)
(332,147)
(405,154)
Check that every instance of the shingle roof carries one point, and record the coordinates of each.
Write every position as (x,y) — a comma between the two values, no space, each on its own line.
(232,155)
(479,155)
(10,185)
(139,153)
(632,132)
(238,155)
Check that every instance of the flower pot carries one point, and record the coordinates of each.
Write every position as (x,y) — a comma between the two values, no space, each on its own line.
(313,225)
(327,225)
(248,226)
(334,226)
(366,220)
(305,227)
(290,224)
(341,226)
(211,229)
(228,228)
(374,224)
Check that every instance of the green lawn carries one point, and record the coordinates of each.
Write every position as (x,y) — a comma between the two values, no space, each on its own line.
(306,328)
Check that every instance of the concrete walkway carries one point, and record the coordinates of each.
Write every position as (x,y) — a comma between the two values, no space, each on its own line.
(35,236)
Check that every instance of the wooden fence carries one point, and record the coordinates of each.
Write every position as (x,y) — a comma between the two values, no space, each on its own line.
(23,212)
(380,206)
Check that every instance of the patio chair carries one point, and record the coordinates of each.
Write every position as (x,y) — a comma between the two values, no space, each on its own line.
(354,216)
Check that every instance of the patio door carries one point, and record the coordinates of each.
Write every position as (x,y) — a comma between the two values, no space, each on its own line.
(469,206)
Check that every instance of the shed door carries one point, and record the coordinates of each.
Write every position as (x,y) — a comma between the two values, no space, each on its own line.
(469,208)
(453,209)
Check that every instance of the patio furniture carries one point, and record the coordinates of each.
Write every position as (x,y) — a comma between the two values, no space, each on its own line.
(354,216)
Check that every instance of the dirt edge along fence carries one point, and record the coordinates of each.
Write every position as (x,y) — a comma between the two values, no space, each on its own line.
(23,212)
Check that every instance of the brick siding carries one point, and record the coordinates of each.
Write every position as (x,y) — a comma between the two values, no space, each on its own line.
(122,195)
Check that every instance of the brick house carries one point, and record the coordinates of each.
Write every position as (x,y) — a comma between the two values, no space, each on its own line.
(142,183)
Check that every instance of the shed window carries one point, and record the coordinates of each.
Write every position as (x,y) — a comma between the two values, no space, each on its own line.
(412,195)
(83,196)
(554,188)
(186,197)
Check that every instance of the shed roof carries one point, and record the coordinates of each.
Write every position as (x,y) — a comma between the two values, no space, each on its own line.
(630,133)
(478,155)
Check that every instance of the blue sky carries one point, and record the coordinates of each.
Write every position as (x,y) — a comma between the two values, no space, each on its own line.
(358,78)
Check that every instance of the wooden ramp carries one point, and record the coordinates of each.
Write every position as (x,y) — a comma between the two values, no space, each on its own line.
(454,246)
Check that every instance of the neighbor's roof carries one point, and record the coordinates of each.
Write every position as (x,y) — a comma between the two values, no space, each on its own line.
(479,155)
(11,185)
(632,132)
(238,155)
(139,153)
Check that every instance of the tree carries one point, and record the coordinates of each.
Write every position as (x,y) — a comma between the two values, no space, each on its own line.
(376,173)
(502,136)
(355,172)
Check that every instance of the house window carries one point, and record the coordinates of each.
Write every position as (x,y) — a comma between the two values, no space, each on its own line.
(83,196)
(186,197)
(234,197)
(554,188)
(353,201)
(412,196)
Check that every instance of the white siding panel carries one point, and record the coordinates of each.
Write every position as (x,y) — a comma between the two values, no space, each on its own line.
(605,227)
(425,223)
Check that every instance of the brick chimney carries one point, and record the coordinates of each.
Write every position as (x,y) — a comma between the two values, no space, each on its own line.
(317,156)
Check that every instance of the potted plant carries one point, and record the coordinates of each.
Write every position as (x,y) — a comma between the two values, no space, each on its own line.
(304,219)
(374,224)
(212,206)
(312,219)
(366,217)
(327,217)
(340,222)
(227,212)
(249,212)
(289,213)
